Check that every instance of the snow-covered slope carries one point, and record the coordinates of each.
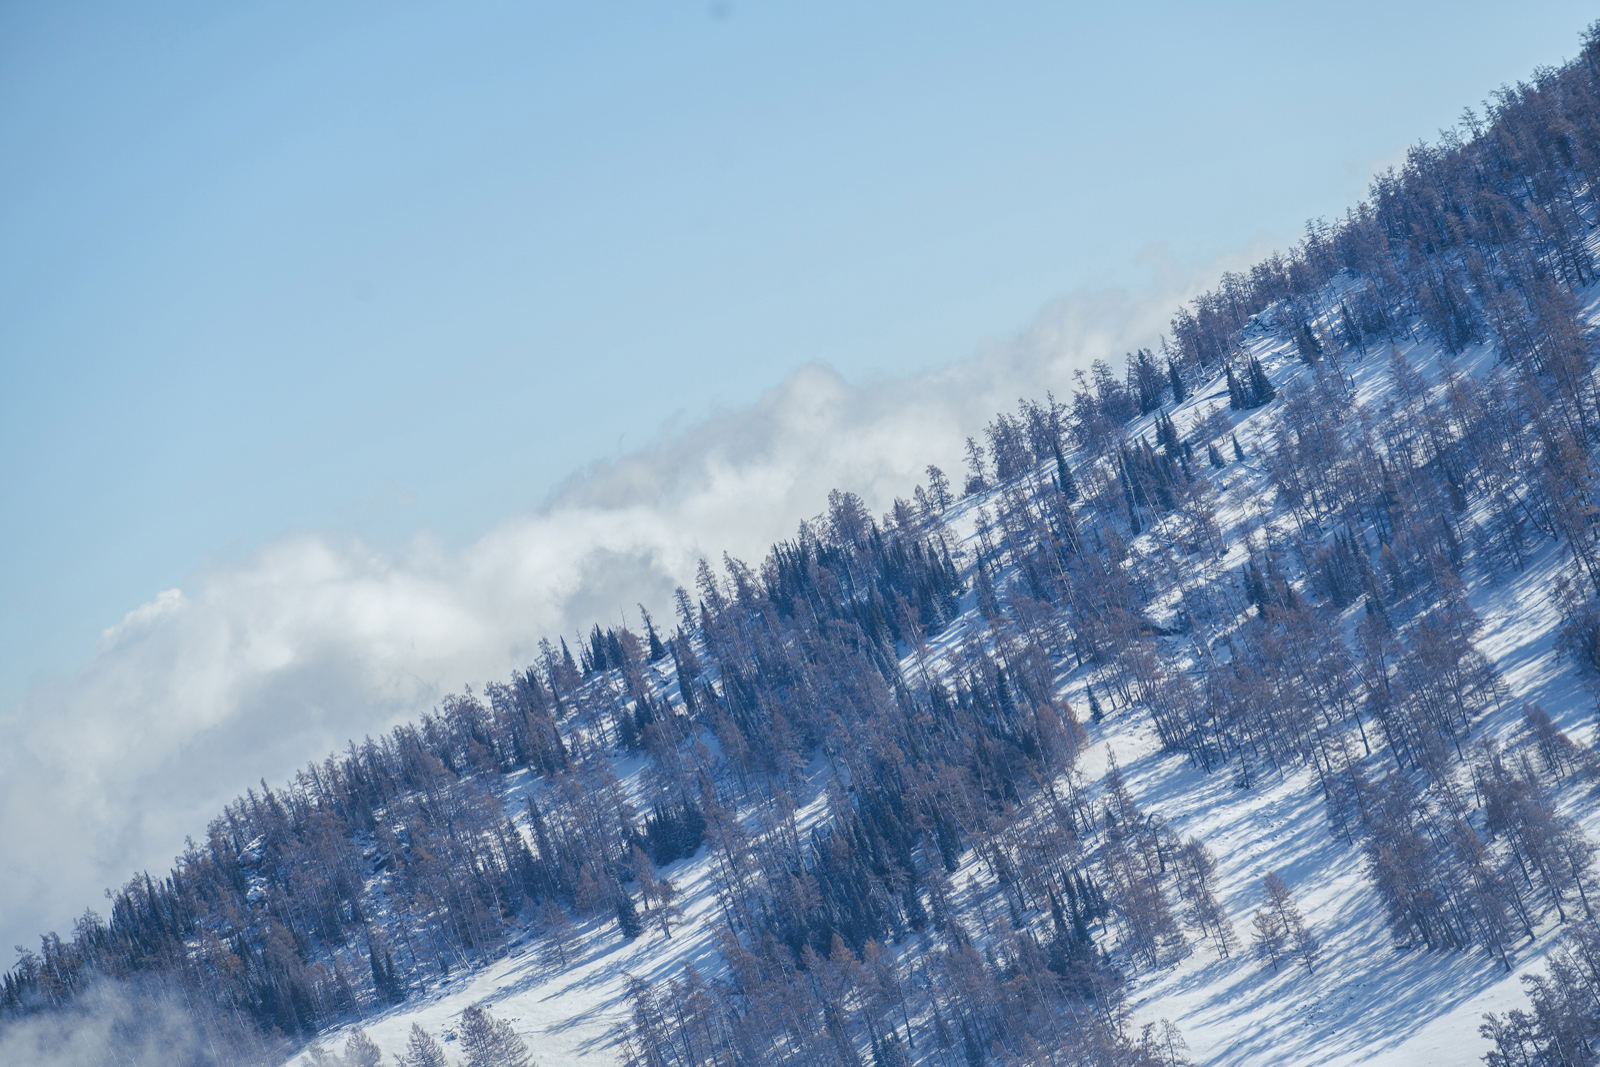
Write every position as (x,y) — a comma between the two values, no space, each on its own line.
(1371,1000)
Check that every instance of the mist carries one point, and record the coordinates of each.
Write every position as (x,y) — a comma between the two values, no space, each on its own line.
(256,667)
(125,1023)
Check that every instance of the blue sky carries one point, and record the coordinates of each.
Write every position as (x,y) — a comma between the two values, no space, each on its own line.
(383,268)
(307,309)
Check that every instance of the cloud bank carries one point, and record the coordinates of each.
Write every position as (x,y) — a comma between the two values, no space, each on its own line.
(109,1022)
(257,667)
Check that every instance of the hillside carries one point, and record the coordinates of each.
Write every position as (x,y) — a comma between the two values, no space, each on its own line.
(1238,711)
(1375,998)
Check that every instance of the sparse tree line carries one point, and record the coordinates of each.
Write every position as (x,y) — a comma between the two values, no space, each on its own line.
(485,1042)
(1560,1027)
(1098,552)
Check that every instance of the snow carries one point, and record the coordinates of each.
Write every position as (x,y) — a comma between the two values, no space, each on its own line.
(1372,1001)
(571,1015)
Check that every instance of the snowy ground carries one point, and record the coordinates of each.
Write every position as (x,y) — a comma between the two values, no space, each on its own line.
(1372,1001)
(570,1015)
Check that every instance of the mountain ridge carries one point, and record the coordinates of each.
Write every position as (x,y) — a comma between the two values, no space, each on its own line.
(926,787)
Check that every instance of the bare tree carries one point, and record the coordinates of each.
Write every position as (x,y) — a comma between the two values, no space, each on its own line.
(422,1050)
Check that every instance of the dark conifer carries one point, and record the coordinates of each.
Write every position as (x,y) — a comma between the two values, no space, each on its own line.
(658,651)
(1259,389)
(628,921)
(1353,336)
(1167,433)
(1306,341)
(1065,483)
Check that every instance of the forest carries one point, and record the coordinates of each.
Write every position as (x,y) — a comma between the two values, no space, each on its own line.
(923,657)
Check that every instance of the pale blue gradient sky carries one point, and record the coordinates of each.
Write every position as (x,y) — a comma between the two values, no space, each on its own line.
(383,268)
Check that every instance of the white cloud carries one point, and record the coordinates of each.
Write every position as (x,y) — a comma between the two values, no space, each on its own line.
(260,666)
(112,1022)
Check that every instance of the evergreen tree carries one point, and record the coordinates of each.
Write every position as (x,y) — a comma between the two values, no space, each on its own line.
(1167,433)
(1259,389)
(1146,380)
(1175,380)
(380,976)
(1353,336)
(658,651)
(1065,483)
(1306,341)
(628,921)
